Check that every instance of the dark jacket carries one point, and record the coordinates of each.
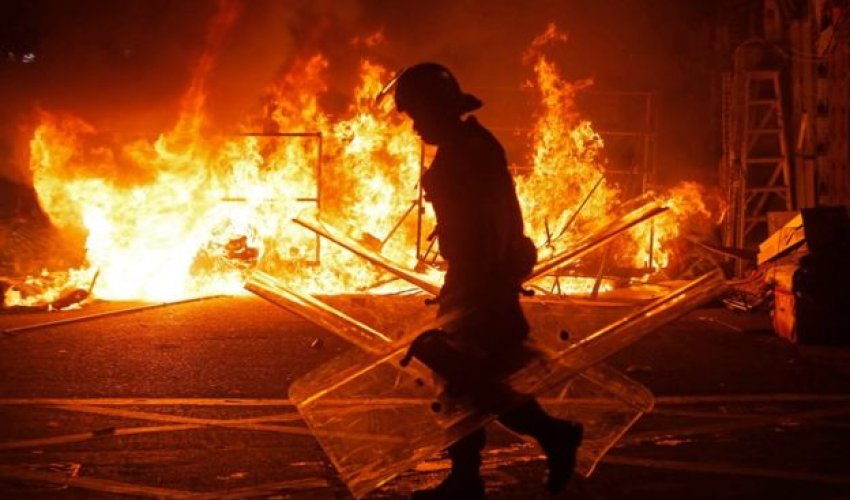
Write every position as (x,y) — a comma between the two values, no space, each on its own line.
(478,217)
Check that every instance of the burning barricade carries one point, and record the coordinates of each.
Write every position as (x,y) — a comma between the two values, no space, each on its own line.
(191,212)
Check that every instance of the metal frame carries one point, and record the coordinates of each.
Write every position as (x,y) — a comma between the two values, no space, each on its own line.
(644,133)
(420,212)
(646,173)
(763,117)
(756,168)
(317,199)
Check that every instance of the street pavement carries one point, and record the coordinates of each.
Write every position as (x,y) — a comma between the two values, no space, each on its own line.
(190,400)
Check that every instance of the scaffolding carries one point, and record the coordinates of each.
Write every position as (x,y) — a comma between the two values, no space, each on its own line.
(627,122)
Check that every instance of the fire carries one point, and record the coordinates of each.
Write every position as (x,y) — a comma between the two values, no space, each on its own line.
(565,163)
(567,193)
(191,212)
(159,228)
(687,207)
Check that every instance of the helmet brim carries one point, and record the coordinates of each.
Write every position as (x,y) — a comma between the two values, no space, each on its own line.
(469,103)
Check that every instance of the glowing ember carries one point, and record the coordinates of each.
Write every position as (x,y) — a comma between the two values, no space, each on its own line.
(191,212)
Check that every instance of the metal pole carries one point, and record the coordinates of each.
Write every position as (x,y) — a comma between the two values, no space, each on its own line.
(280,134)
(398,224)
(419,200)
(651,242)
(319,195)
(601,274)
(20,329)
(580,207)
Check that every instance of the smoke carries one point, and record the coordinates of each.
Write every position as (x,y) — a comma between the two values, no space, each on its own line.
(124,66)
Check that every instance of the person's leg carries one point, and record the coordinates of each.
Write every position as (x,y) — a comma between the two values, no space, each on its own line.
(559,439)
(466,454)
(464,480)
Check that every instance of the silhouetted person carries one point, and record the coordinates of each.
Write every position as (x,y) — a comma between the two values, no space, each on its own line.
(481,237)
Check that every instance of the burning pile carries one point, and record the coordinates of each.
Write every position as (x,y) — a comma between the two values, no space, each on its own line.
(191,212)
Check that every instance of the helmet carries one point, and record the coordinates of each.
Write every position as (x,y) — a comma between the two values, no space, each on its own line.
(430,85)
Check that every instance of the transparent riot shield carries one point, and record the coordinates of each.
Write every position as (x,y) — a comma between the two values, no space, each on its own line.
(376,418)
(606,401)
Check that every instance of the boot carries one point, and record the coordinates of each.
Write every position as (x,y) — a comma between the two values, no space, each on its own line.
(559,439)
(464,481)
(454,487)
(560,446)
